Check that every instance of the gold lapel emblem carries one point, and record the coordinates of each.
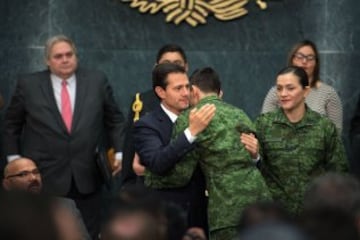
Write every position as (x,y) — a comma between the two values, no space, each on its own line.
(137,106)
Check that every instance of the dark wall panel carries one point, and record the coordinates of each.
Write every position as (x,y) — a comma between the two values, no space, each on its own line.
(247,52)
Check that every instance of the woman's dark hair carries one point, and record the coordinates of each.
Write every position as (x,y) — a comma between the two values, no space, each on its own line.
(296,48)
(297,71)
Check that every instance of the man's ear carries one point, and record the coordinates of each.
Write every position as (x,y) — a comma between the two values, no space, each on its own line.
(160,92)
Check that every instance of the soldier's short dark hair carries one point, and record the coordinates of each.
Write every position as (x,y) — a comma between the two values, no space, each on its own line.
(161,72)
(297,71)
(206,79)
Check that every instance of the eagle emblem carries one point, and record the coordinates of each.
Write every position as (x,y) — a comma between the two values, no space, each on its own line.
(194,12)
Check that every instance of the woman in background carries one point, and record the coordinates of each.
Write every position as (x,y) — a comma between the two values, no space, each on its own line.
(322,98)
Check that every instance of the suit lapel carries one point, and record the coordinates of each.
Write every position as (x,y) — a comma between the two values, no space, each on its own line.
(48,91)
(166,124)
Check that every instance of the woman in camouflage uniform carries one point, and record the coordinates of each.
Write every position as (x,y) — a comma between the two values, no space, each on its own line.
(297,143)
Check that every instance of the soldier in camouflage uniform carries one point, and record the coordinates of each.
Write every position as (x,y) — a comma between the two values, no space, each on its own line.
(233,181)
(297,143)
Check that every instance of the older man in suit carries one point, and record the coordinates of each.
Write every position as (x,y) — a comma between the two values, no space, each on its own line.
(59,117)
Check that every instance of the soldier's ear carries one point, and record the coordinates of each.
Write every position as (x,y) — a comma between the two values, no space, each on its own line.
(194,90)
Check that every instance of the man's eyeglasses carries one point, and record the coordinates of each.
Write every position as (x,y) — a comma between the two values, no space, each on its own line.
(25,174)
(302,57)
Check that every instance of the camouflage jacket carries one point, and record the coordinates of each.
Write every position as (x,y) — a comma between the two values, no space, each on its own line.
(294,154)
(232,178)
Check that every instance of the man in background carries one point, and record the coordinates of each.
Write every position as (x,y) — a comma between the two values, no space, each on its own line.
(59,118)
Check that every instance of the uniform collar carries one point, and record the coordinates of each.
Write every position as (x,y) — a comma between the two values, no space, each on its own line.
(308,118)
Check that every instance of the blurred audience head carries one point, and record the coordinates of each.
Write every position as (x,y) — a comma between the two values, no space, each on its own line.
(328,223)
(22,174)
(272,231)
(25,216)
(262,212)
(334,190)
(337,192)
(67,222)
(137,213)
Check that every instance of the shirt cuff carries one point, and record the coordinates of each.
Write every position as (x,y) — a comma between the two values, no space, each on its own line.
(188,136)
(118,156)
(257,159)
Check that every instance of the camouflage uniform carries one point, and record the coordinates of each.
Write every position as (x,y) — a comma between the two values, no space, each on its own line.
(295,153)
(233,181)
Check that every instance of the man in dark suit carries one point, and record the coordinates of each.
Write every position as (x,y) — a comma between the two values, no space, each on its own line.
(152,134)
(144,103)
(58,118)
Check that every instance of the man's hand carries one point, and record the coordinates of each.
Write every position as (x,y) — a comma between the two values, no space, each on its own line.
(115,163)
(199,119)
(137,167)
(251,144)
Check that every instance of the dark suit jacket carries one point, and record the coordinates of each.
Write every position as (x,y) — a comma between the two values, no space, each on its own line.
(152,135)
(34,129)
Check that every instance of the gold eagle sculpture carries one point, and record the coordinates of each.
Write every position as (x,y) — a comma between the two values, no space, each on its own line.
(194,11)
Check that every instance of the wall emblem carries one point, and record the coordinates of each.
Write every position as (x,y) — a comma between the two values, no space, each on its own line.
(194,12)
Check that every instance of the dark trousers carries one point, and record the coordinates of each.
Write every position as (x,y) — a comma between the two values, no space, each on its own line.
(198,201)
(89,206)
(191,199)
